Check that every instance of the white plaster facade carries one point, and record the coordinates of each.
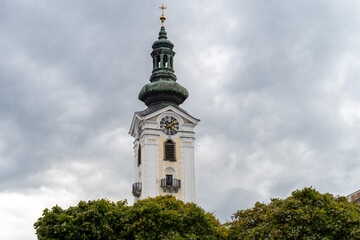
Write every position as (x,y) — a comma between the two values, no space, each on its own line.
(148,135)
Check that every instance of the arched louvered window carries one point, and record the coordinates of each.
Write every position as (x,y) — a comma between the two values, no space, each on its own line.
(158,61)
(139,156)
(169,150)
(165,61)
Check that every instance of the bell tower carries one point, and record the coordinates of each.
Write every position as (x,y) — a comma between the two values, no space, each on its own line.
(164,133)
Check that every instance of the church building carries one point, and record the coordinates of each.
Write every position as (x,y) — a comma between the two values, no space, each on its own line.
(163,133)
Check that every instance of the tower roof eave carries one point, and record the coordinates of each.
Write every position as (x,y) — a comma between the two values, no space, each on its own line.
(157,109)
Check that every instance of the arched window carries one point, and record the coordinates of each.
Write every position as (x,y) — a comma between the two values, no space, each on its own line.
(139,155)
(169,150)
(158,61)
(165,61)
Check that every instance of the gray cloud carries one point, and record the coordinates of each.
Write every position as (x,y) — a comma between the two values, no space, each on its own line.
(274,83)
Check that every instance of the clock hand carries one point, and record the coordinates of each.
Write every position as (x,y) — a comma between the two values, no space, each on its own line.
(173,122)
(169,125)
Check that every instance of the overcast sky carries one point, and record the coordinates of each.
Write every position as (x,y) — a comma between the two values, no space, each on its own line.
(275,84)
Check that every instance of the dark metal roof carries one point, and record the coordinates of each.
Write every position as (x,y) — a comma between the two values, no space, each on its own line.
(158,107)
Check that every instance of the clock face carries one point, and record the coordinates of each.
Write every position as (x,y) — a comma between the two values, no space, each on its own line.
(169,125)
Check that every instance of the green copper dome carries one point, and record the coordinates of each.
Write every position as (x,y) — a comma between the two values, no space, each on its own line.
(163,88)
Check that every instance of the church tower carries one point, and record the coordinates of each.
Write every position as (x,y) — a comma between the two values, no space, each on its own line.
(164,133)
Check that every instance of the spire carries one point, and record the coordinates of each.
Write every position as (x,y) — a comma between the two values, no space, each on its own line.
(163,88)
(162,18)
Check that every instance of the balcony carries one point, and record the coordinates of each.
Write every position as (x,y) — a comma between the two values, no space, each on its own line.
(170,185)
(136,189)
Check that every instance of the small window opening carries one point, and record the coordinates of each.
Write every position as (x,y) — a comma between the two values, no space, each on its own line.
(171,62)
(165,60)
(139,156)
(158,61)
(169,150)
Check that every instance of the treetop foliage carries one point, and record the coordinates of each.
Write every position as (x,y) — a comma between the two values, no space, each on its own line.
(162,217)
(306,214)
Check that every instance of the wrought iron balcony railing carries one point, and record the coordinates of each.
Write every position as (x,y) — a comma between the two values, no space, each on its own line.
(136,189)
(170,184)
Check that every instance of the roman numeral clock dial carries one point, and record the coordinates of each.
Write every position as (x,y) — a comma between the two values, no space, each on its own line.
(169,125)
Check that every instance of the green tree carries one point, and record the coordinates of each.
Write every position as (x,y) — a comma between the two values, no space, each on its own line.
(162,217)
(100,219)
(306,214)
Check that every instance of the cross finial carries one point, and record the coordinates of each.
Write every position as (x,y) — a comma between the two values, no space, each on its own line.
(163,18)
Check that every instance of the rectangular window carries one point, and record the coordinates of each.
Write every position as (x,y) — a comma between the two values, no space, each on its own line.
(169,180)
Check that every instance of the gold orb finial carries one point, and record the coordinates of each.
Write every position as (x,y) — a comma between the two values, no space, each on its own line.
(163,18)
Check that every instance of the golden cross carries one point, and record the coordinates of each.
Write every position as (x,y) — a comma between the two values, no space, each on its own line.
(163,8)
(163,18)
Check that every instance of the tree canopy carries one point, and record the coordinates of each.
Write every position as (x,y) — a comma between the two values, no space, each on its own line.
(100,219)
(162,217)
(306,214)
